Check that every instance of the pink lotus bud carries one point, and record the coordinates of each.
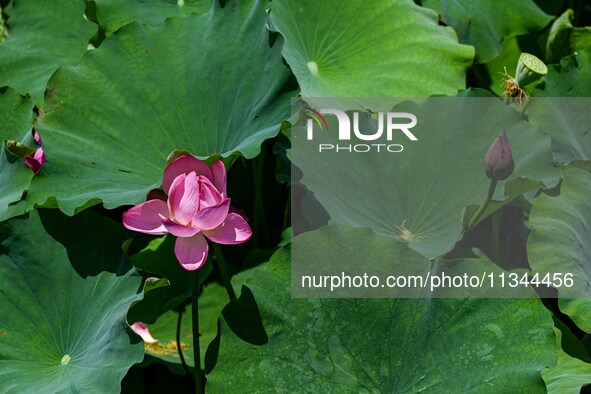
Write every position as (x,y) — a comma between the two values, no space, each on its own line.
(499,159)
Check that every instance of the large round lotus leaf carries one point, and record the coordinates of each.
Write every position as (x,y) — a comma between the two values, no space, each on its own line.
(113,14)
(571,78)
(559,242)
(570,373)
(486,23)
(16,114)
(565,116)
(334,249)
(64,330)
(385,345)
(16,120)
(565,39)
(419,194)
(566,120)
(41,38)
(354,48)
(359,252)
(208,84)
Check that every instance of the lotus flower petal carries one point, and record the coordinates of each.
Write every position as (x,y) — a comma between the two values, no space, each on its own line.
(178,230)
(183,199)
(233,230)
(191,252)
(209,196)
(218,171)
(211,217)
(37,138)
(184,165)
(145,217)
(36,161)
(239,212)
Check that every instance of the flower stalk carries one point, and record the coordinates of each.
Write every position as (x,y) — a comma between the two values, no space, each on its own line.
(484,205)
(178,341)
(224,271)
(196,348)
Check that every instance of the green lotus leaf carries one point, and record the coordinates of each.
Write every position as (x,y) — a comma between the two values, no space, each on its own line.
(418,195)
(353,49)
(559,242)
(565,117)
(379,345)
(211,302)
(571,78)
(565,39)
(485,24)
(112,121)
(63,327)
(569,375)
(113,14)
(158,259)
(41,38)
(492,73)
(16,120)
(565,120)
(332,250)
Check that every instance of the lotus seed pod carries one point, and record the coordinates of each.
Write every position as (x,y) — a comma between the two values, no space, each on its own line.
(529,69)
(499,159)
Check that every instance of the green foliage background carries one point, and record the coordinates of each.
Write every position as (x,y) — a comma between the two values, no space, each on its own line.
(114,86)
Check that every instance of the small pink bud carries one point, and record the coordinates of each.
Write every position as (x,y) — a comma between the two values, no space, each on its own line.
(499,159)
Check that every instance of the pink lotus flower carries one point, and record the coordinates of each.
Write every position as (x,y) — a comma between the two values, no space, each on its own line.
(143,331)
(36,161)
(197,208)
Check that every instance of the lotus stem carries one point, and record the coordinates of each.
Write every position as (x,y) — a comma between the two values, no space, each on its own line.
(196,349)
(485,203)
(178,341)
(224,271)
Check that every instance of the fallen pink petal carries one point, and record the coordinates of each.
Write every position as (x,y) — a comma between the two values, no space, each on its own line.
(36,161)
(142,330)
(196,209)
(37,138)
